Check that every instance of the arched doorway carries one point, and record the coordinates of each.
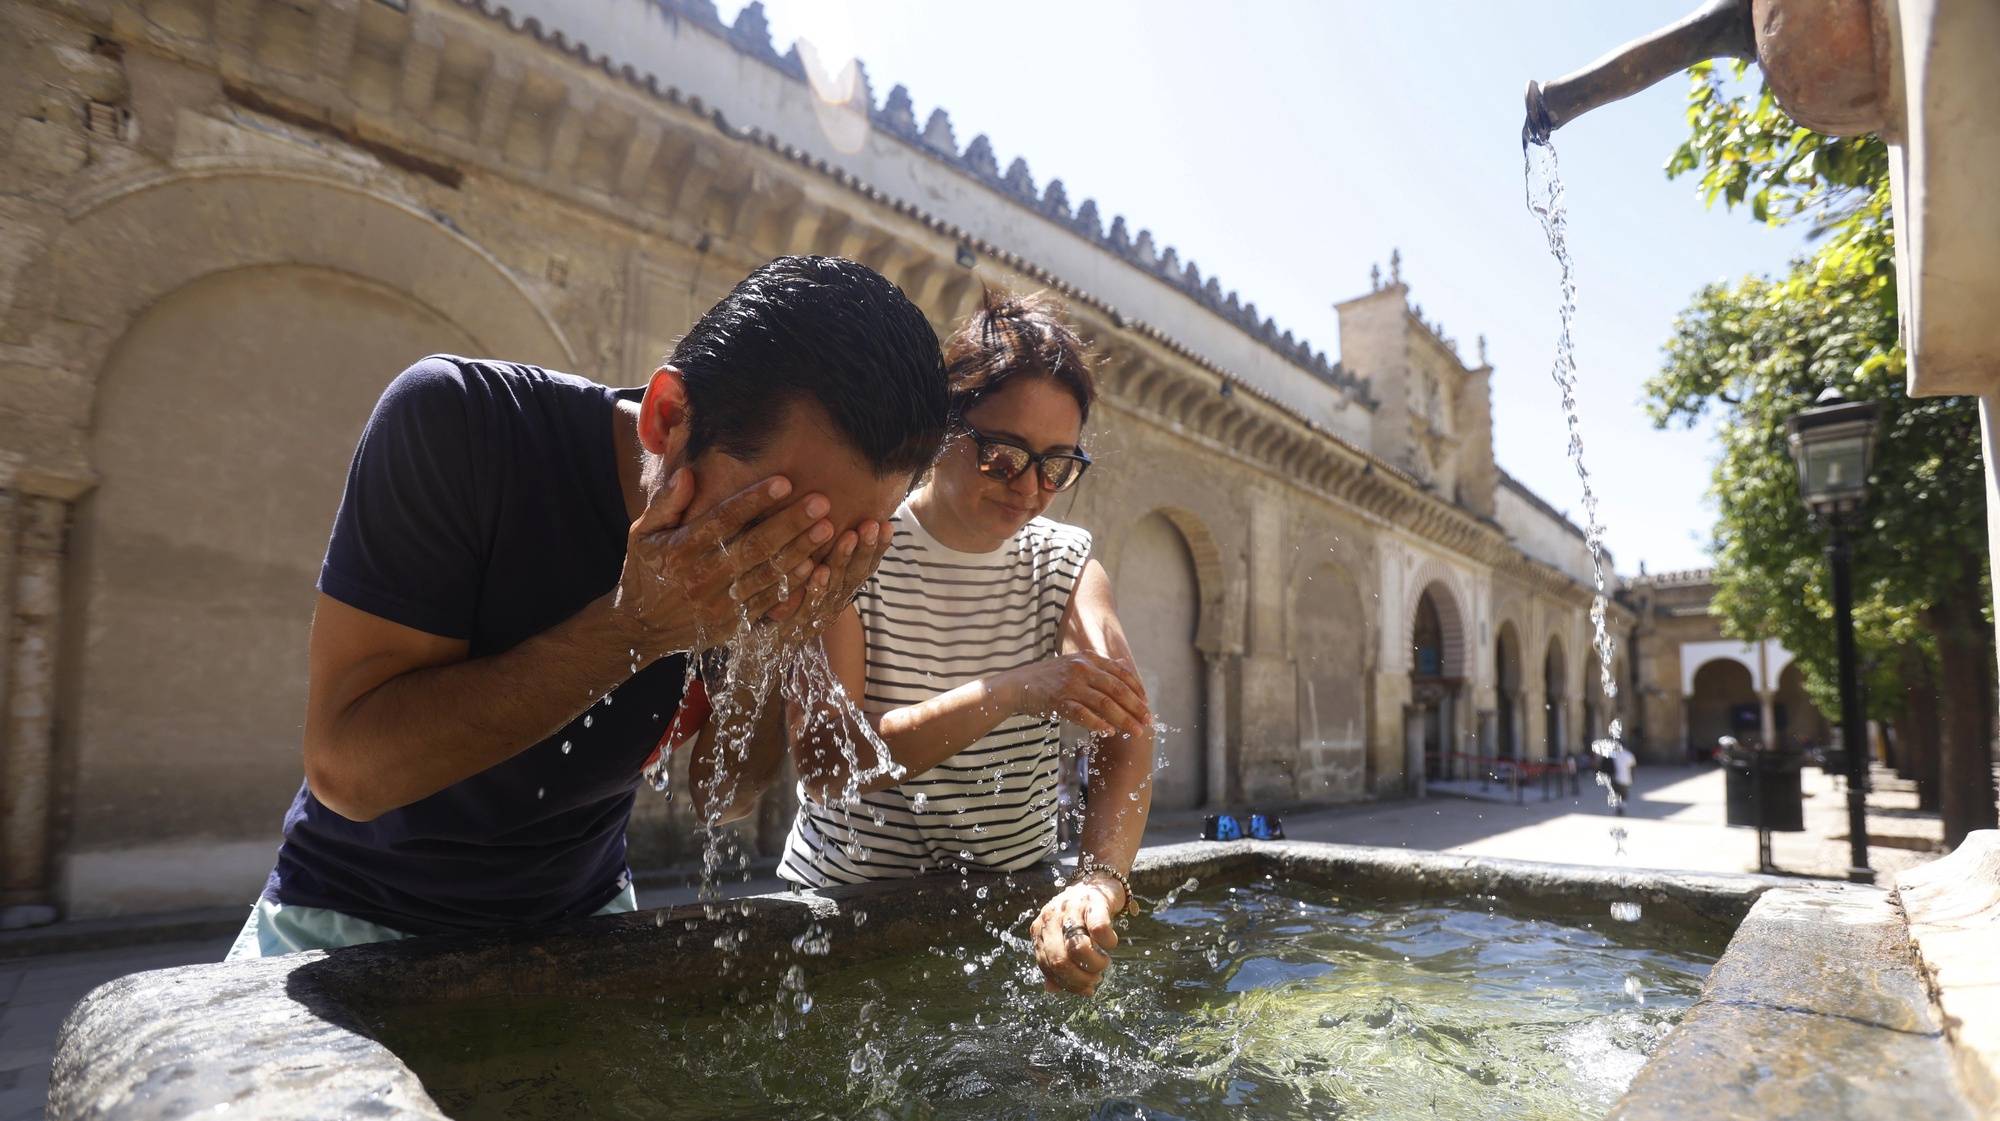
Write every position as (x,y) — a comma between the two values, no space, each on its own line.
(226,418)
(1159,598)
(1436,674)
(1723,702)
(1332,644)
(1555,701)
(306,293)
(1507,683)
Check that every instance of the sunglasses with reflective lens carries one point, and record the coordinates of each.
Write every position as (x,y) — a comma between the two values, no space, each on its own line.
(1005,460)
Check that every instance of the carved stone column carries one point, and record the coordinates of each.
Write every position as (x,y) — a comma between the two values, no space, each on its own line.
(31,562)
(1388,744)
(10,545)
(1413,752)
(1535,716)
(1215,720)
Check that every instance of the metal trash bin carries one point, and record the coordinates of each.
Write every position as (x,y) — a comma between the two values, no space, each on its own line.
(1762,790)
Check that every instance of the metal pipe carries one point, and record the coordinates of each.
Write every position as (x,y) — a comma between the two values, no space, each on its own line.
(1853,736)
(1719,29)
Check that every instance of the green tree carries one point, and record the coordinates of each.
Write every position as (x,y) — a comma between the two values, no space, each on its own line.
(1758,351)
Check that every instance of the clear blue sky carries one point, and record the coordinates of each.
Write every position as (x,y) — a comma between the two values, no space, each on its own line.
(1286,146)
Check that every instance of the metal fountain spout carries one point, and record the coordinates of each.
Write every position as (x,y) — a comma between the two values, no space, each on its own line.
(1719,29)
(1828,62)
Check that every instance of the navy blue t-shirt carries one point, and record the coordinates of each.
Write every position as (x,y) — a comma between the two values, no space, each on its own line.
(484,504)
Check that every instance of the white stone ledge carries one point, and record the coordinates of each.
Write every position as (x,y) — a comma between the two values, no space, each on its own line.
(1953,906)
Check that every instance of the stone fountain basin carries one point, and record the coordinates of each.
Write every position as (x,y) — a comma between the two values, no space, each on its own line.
(1817,1008)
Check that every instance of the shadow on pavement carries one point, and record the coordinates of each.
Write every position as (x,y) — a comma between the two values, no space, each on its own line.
(1455,821)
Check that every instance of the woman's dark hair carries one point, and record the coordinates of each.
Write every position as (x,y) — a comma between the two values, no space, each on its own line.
(1016,336)
(826,330)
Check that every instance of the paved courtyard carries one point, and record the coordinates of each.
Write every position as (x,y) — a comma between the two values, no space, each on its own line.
(1676,821)
(35,995)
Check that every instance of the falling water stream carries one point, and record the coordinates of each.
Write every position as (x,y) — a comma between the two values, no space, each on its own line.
(1544,191)
(1546,203)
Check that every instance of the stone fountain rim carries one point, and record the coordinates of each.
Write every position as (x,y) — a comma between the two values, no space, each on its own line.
(280,1037)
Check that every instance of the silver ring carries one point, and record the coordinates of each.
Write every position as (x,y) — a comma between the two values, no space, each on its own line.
(1071,930)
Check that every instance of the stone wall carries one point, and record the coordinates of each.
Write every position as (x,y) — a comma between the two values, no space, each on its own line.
(1543,533)
(228,223)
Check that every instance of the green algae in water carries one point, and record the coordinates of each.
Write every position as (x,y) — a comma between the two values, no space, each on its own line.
(1259,1001)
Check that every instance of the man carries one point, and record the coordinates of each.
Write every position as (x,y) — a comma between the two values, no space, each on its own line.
(1622,762)
(522,561)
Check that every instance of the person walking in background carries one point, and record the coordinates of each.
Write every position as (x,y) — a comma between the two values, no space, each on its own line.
(1622,764)
(985,626)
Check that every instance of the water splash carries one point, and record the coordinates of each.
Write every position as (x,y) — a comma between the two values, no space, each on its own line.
(1173,895)
(746,671)
(762,665)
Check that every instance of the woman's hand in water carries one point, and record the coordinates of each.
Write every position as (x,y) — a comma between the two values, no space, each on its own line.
(1073,935)
(1100,694)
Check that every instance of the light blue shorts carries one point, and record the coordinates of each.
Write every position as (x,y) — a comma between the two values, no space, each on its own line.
(274,928)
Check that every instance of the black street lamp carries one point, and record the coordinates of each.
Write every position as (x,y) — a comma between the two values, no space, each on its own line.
(1833,443)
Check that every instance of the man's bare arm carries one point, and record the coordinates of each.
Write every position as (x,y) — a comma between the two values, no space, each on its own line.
(394,715)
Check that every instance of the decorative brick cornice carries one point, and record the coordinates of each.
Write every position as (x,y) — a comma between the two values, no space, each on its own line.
(750,36)
(1682,578)
(670,155)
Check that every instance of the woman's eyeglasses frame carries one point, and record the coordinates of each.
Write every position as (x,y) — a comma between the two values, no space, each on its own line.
(1037,460)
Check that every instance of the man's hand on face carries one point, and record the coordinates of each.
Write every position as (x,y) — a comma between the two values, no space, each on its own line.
(689,587)
(833,583)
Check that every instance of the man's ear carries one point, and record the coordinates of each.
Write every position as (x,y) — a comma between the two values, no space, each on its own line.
(664,415)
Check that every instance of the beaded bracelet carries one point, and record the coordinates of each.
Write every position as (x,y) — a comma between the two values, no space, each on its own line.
(1090,865)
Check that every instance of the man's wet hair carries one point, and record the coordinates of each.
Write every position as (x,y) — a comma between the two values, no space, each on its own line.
(820,329)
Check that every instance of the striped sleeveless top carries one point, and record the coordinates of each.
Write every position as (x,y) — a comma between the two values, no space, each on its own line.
(934,618)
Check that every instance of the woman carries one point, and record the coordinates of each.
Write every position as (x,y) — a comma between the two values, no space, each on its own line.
(985,622)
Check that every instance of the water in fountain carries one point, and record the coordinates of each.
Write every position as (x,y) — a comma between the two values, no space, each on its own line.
(1261,999)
